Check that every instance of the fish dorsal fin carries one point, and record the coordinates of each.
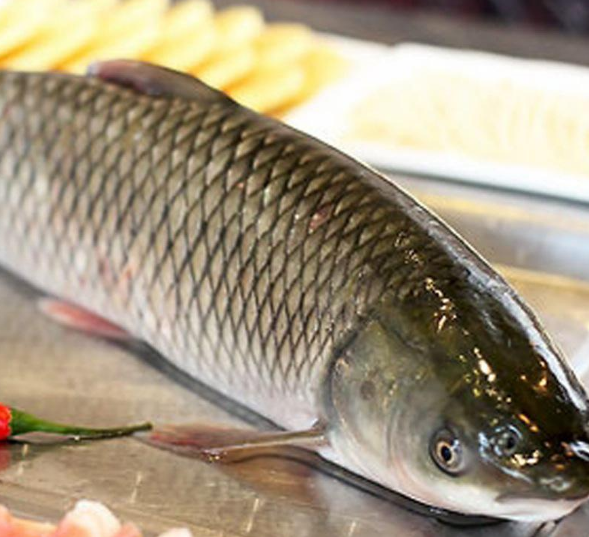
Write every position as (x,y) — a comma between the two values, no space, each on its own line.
(154,80)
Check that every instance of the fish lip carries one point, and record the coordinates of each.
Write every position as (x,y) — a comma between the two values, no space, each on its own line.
(529,507)
(507,497)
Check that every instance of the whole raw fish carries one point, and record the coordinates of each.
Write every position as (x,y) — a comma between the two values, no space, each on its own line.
(290,278)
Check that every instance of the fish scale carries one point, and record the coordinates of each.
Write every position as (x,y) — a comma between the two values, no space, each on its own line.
(241,251)
(292,279)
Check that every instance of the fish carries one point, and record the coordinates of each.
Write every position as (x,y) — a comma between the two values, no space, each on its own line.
(292,279)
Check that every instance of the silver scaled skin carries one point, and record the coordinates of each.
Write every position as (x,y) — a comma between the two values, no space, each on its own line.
(292,279)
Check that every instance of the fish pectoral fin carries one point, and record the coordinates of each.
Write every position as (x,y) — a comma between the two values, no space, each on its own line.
(73,316)
(218,444)
(154,80)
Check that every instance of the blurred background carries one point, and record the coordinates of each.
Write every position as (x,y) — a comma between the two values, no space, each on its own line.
(444,96)
(567,15)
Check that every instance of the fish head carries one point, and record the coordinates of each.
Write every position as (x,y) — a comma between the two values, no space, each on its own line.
(518,461)
(484,419)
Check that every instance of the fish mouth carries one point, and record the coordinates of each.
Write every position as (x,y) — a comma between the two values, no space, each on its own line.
(548,497)
(529,508)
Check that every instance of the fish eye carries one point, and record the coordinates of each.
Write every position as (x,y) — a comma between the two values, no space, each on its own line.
(446,451)
(506,441)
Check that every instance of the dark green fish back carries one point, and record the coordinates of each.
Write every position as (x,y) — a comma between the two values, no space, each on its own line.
(242,250)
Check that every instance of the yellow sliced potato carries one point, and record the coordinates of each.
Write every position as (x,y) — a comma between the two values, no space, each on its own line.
(186,53)
(131,46)
(129,14)
(322,65)
(270,89)
(281,44)
(47,53)
(265,67)
(128,31)
(21,19)
(69,29)
(225,69)
(94,7)
(184,17)
(5,6)
(237,26)
(187,36)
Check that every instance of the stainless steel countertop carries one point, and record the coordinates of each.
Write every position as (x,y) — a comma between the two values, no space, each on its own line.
(542,246)
(64,375)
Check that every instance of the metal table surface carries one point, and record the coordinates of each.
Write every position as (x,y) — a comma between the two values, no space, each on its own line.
(68,376)
(541,245)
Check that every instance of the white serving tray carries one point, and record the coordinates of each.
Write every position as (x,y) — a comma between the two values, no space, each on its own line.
(374,66)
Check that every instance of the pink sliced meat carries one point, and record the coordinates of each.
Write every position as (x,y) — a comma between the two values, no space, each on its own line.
(86,519)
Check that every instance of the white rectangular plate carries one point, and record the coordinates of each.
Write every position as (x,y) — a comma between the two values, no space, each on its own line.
(374,66)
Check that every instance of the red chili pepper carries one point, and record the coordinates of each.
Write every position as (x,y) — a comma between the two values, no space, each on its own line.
(15,423)
(5,419)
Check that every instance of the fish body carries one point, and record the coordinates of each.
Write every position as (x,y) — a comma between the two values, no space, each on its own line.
(292,279)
